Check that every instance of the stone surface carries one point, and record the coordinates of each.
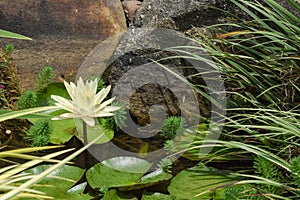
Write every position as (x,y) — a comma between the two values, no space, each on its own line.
(182,15)
(63,33)
(32,17)
(64,54)
(178,14)
(130,7)
(141,85)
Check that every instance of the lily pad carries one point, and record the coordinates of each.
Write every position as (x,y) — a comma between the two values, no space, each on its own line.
(150,179)
(58,184)
(156,196)
(93,132)
(117,195)
(200,182)
(63,130)
(117,172)
(58,88)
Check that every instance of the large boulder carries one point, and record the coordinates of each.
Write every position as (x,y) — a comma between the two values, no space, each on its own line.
(63,33)
(139,46)
(93,17)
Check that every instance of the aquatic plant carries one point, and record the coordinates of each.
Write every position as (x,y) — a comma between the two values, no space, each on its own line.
(165,164)
(171,126)
(27,100)
(43,78)
(40,132)
(119,117)
(86,103)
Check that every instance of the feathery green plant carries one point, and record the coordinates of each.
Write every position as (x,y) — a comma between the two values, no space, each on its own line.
(165,164)
(43,78)
(295,163)
(120,115)
(40,132)
(266,169)
(27,100)
(171,126)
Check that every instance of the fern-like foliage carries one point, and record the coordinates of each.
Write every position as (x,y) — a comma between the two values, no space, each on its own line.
(265,169)
(40,132)
(165,164)
(27,100)
(171,126)
(295,163)
(169,146)
(268,170)
(234,193)
(43,79)
(120,115)
(243,192)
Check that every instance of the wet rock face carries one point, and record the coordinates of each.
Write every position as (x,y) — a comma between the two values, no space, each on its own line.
(178,14)
(92,17)
(142,85)
(182,15)
(63,33)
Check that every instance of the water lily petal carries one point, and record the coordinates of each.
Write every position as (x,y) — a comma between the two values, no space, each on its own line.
(104,114)
(93,86)
(64,103)
(111,108)
(102,94)
(89,121)
(106,103)
(85,104)
(66,116)
(70,89)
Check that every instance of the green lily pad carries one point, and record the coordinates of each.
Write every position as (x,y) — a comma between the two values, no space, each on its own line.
(58,184)
(128,164)
(117,195)
(93,132)
(156,196)
(200,182)
(63,130)
(150,179)
(58,88)
(117,172)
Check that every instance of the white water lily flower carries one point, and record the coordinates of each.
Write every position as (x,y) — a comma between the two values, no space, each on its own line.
(86,103)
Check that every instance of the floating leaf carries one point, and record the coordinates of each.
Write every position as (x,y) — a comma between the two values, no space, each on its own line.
(117,172)
(116,195)
(156,196)
(200,182)
(58,183)
(58,88)
(150,179)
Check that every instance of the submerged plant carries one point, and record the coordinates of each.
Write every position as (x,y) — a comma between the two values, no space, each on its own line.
(268,170)
(171,126)
(40,132)
(43,79)
(86,103)
(165,164)
(27,100)
(120,115)
(295,163)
